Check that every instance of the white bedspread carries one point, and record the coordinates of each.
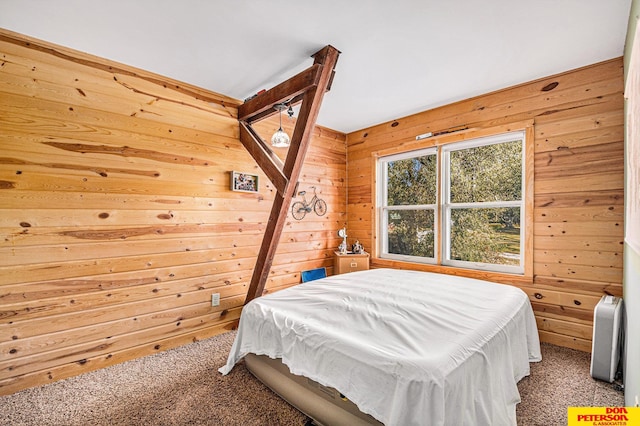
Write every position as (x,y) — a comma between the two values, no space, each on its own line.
(409,348)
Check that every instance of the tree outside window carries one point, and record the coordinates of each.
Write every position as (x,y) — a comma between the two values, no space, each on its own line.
(409,205)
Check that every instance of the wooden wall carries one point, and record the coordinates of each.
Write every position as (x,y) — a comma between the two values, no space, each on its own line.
(117,221)
(578,180)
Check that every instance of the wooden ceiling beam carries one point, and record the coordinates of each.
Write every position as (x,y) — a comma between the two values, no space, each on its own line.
(262,106)
(288,173)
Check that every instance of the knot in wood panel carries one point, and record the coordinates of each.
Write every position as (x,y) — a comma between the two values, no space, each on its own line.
(550,86)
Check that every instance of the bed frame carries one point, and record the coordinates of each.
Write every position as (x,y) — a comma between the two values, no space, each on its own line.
(326,406)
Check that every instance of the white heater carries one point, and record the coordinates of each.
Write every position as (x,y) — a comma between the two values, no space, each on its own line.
(605,346)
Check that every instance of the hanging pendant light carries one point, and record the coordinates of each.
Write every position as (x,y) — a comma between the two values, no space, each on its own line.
(280,139)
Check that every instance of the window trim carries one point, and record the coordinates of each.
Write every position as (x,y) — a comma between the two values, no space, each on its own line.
(407,145)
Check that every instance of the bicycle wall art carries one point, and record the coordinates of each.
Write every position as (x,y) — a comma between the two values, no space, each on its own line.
(299,209)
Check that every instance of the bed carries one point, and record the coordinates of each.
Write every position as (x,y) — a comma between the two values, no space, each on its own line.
(406,347)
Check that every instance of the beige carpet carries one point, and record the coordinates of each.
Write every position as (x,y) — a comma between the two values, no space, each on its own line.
(183,387)
(561,380)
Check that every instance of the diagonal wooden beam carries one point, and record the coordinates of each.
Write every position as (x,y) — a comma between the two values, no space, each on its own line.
(325,61)
(268,161)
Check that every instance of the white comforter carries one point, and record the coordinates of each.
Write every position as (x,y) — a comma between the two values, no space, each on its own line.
(409,348)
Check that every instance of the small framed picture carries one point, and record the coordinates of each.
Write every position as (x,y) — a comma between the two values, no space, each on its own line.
(244,182)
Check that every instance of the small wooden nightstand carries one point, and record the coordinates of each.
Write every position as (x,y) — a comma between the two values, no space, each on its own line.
(350,262)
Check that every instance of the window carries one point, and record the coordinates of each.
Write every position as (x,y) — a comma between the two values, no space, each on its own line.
(459,204)
(409,205)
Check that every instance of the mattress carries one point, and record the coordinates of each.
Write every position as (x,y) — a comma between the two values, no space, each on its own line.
(407,347)
(325,405)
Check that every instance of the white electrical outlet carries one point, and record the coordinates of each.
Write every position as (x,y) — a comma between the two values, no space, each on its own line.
(215,299)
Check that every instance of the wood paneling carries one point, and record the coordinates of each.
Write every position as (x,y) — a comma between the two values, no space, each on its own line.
(116,218)
(578,187)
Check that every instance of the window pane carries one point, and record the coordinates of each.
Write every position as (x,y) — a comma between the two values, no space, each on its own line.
(410,232)
(486,235)
(487,173)
(412,181)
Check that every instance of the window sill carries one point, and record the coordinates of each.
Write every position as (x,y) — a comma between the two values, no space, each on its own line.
(499,277)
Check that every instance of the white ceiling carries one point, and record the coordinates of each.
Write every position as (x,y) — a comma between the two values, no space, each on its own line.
(398,57)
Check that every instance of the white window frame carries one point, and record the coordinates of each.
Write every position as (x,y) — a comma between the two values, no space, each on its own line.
(443,207)
(448,206)
(384,210)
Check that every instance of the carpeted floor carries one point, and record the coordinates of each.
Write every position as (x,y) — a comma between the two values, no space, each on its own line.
(183,387)
(561,380)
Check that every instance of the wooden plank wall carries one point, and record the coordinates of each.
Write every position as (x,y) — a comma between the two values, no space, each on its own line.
(578,178)
(117,221)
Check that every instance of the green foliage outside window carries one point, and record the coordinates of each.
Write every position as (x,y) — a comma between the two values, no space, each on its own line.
(486,174)
(411,182)
(479,235)
(411,232)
